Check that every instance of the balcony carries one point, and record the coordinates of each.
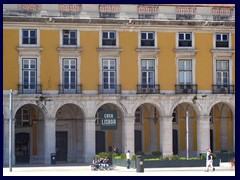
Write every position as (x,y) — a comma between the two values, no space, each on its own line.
(186,89)
(70,89)
(148,89)
(223,89)
(29,89)
(109,89)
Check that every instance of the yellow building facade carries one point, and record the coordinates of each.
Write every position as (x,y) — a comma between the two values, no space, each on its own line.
(161,72)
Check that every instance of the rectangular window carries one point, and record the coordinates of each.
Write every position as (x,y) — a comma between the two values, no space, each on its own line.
(109,38)
(29,75)
(184,40)
(185,72)
(222,40)
(148,72)
(69,37)
(69,75)
(109,75)
(147,39)
(29,36)
(222,71)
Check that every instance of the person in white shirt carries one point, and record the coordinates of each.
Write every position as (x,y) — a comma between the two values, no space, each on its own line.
(128,159)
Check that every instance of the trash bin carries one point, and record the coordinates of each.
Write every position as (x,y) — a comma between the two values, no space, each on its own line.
(53,158)
(140,166)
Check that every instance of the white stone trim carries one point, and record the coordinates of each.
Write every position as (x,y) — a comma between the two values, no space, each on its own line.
(155,38)
(29,45)
(229,40)
(61,37)
(193,39)
(101,30)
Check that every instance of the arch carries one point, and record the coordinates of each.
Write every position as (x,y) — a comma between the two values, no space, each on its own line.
(42,108)
(211,105)
(34,106)
(119,105)
(84,110)
(159,106)
(198,108)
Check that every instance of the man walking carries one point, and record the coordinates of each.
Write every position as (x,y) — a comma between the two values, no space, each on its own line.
(128,159)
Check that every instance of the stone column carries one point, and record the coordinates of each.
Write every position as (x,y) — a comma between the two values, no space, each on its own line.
(89,141)
(203,133)
(49,139)
(6,142)
(128,135)
(166,135)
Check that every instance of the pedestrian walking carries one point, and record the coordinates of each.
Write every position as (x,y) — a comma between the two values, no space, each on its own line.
(209,158)
(128,159)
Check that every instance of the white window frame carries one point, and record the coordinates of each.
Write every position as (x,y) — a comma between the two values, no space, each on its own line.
(101,38)
(117,63)
(215,68)
(109,76)
(29,45)
(69,45)
(140,39)
(193,69)
(192,38)
(140,69)
(21,67)
(77,68)
(147,70)
(70,70)
(229,40)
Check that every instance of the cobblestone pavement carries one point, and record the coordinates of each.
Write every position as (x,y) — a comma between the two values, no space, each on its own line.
(85,170)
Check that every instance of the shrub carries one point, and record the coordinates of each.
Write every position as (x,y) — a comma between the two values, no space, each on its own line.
(156,153)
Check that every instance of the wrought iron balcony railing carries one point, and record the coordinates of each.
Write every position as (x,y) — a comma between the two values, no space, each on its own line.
(70,89)
(223,89)
(185,89)
(148,89)
(29,89)
(109,89)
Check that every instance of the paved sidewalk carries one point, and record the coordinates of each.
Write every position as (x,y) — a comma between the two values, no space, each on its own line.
(85,170)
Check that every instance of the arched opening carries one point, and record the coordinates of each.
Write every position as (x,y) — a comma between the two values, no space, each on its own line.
(69,134)
(180,129)
(147,129)
(28,138)
(108,127)
(221,128)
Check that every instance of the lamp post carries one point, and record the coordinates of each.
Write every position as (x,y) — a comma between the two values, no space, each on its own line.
(10,132)
(187,132)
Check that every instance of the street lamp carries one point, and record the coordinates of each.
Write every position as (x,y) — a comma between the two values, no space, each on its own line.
(187,132)
(10,132)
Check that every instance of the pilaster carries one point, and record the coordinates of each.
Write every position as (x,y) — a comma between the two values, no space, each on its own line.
(166,135)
